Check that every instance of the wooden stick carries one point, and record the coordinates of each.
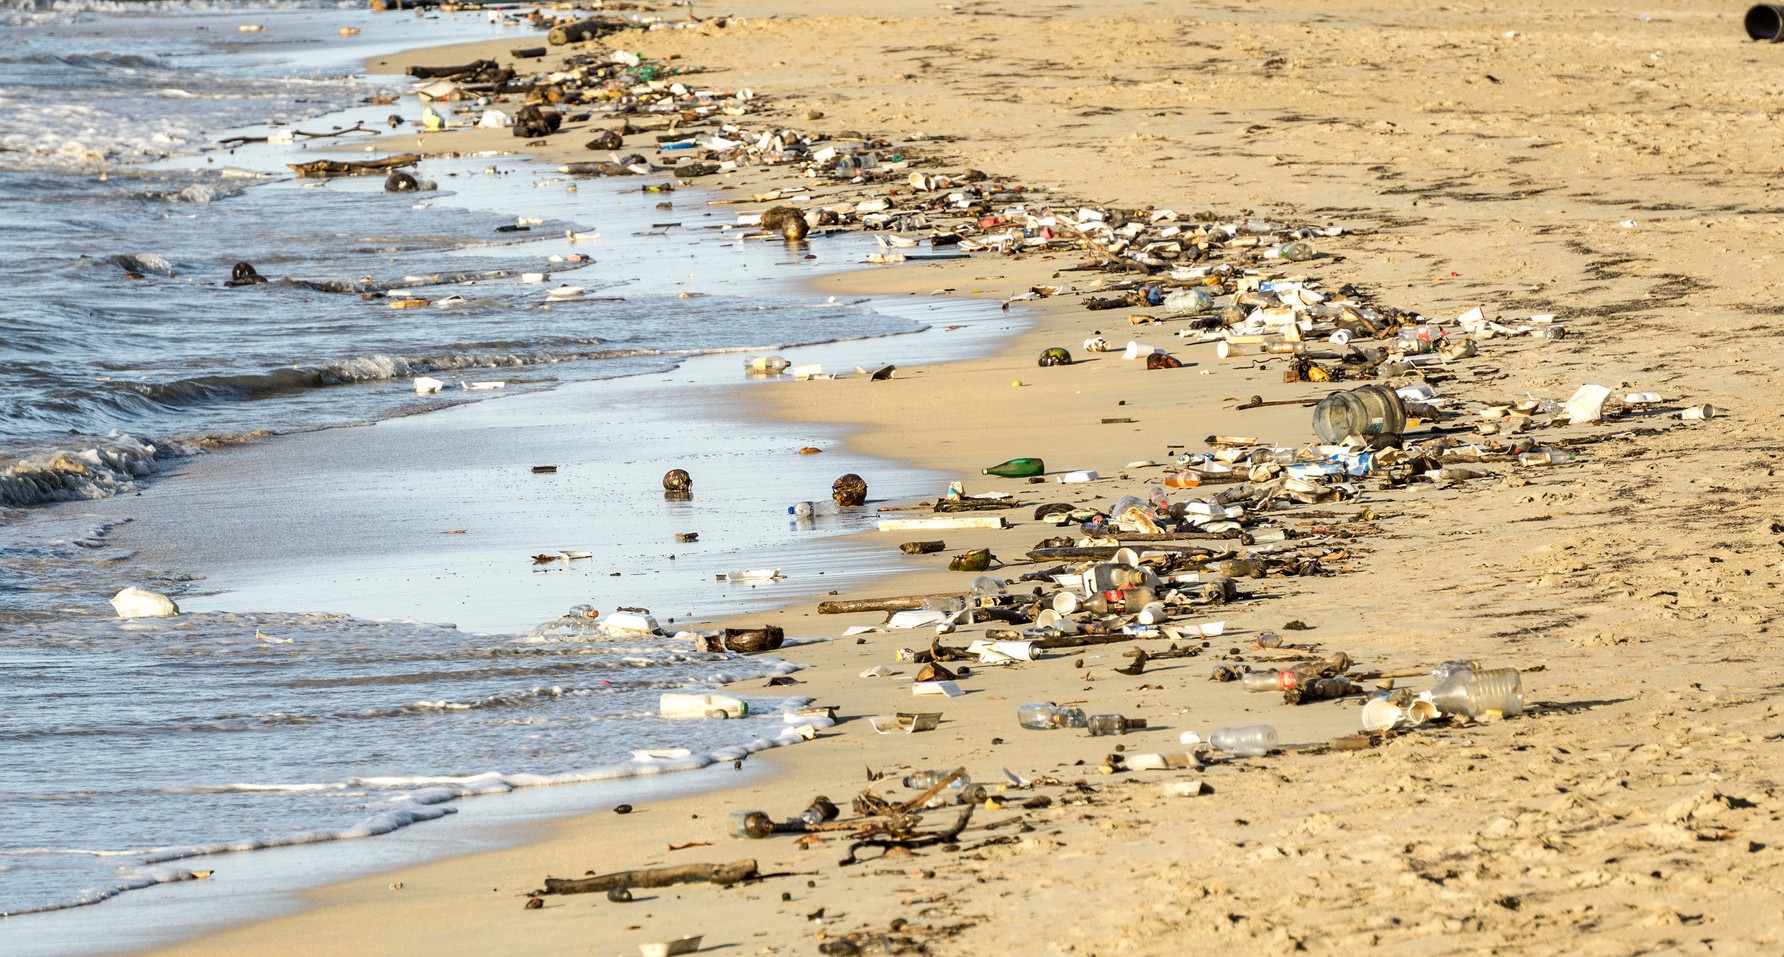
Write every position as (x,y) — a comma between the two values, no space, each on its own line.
(894,603)
(723,874)
(934,789)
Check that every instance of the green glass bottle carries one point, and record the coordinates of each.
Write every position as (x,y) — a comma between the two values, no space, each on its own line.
(1018,468)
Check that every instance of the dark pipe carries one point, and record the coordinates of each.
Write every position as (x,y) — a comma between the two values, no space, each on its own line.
(1765,21)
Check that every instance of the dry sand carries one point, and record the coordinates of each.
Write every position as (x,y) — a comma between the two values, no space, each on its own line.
(1603,164)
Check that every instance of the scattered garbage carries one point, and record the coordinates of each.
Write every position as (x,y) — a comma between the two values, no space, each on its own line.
(1046,716)
(669,948)
(1463,689)
(849,490)
(136,602)
(1017,468)
(1764,21)
(629,623)
(1252,740)
(906,722)
(766,365)
(752,575)
(1101,725)
(1371,411)
(745,641)
(977,560)
(697,705)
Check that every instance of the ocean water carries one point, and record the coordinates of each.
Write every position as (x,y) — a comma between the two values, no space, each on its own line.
(129,752)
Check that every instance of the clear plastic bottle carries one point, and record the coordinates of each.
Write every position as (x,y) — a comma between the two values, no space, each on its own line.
(821,810)
(1264,681)
(1474,693)
(1251,740)
(924,780)
(1545,457)
(986,585)
(1069,718)
(1036,715)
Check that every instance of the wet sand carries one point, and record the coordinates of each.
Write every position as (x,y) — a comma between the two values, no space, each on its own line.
(1601,165)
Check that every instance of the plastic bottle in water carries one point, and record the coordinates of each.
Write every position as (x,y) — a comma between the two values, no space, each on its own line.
(765,365)
(1251,740)
(1474,693)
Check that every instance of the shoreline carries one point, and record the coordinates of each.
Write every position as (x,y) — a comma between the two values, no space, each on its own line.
(1570,599)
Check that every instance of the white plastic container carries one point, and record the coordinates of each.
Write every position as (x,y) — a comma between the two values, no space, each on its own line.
(677,704)
(629,623)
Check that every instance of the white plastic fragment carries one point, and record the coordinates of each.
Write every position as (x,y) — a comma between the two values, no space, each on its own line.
(628,623)
(1586,405)
(136,602)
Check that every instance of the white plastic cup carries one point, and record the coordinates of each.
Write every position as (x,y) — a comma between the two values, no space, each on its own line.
(1380,714)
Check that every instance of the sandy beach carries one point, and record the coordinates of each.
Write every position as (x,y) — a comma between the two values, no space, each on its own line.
(1607,166)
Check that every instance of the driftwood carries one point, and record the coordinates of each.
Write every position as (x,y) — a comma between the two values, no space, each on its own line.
(1101,552)
(945,836)
(896,603)
(934,789)
(581,30)
(922,548)
(743,640)
(438,72)
(1079,640)
(1172,536)
(976,504)
(359,127)
(355,167)
(722,874)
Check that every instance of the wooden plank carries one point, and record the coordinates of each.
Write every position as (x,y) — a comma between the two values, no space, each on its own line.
(955,521)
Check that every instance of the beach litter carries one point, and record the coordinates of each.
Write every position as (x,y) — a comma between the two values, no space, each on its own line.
(136,602)
(681,945)
(698,705)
